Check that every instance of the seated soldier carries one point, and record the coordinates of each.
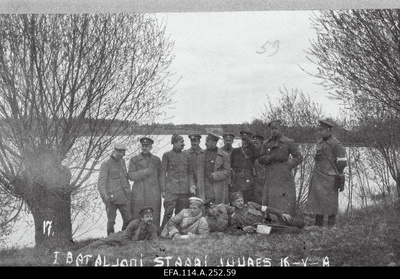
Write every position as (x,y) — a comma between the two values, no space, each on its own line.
(217,215)
(189,222)
(139,229)
(247,216)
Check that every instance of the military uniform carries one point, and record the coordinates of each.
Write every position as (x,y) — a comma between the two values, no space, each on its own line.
(145,172)
(194,153)
(323,193)
(218,220)
(244,174)
(260,174)
(212,171)
(175,173)
(279,188)
(115,191)
(184,223)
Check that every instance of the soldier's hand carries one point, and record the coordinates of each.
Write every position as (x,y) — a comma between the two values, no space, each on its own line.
(210,176)
(193,190)
(286,217)
(163,195)
(249,229)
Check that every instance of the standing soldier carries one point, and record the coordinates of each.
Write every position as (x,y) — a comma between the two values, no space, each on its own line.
(194,152)
(242,163)
(279,189)
(175,172)
(258,141)
(145,172)
(114,187)
(327,178)
(212,170)
(227,147)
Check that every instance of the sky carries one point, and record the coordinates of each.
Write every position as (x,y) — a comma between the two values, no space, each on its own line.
(231,64)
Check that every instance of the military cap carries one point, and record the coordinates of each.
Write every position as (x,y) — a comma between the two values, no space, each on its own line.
(196,200)
(144,210)
(228,135)
(274,122)
(235,195)
(213,136)
(146,140)
(194,136)
(257,137)
(119,146)
(209,202)
(175,138)
(325,124)
(248,133)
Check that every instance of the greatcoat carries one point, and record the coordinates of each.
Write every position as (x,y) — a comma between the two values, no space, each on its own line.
(145,172)
(323,194)
(222,171)
(279,188)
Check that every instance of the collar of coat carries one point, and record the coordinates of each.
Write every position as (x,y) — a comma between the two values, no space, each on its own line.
(330,140)
(220,152)
(197,150)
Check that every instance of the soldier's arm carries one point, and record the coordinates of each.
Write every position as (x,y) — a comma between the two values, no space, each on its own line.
(130,231)
(164,169)
(102,182)
(174,223)
(297,158)
(134,174)
(225,172)
(340,153)
(203,227)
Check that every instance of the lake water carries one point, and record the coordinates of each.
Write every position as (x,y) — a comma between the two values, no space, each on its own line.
(23,235)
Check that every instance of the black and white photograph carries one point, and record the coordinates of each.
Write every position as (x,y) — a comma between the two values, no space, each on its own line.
(199,138)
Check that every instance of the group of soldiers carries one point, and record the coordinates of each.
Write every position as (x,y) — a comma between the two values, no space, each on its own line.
(228,190)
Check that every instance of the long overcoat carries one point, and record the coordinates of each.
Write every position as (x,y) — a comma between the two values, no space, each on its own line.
(280,156)
(222,170)
(323,195)
(146,187)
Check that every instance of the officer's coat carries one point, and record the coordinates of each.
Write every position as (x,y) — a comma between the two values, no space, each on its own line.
(113,181)
(323,195)
(222,170)
(146,187)
(279,188)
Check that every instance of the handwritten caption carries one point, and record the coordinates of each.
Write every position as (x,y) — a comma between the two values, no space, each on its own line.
(101,260)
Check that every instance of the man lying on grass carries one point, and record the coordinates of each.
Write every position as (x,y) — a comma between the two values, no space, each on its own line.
(247,216)
(217,215)
(189,222)
(139,229)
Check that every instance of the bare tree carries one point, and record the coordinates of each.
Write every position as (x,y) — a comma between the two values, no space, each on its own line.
(357,53)
(70,85)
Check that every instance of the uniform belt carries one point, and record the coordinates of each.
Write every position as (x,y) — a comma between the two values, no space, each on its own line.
(278,162)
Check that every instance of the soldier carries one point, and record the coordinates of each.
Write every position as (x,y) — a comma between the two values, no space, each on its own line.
(194,152)
(279,155)
(227,147)
(189,222)
(212,170)
(137,230)
(242,163)
(217,215)
(258,141)
(145,172)
(175,173)
(330,162)
(246,216)
(228,141)
(114,188)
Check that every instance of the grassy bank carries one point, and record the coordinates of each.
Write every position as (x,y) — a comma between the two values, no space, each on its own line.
(368,237)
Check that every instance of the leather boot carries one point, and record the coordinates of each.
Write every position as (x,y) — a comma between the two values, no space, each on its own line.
(319,220)
(331,220)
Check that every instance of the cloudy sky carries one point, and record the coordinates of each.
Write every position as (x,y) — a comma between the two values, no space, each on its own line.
(232,63)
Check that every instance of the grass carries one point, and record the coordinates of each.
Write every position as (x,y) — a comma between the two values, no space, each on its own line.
(367,237)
